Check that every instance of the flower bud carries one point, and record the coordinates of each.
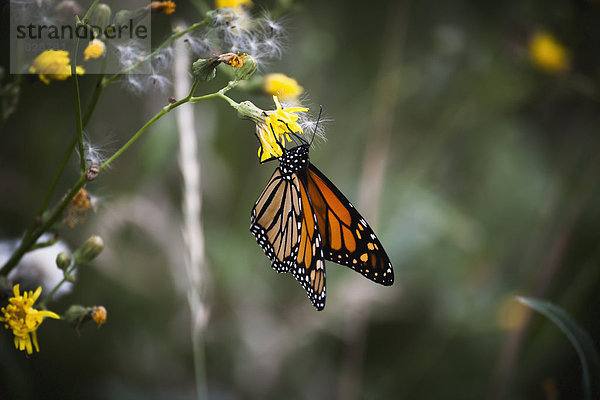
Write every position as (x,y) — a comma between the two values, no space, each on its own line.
(63,260)
(101,16)
(75,314)
(89,250)
(131,17)
(246,70)
(205,69)
(247,110)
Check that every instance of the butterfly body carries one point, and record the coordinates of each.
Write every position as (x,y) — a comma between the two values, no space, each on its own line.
(302,219)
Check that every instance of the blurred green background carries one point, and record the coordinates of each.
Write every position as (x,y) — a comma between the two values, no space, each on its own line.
(478,169)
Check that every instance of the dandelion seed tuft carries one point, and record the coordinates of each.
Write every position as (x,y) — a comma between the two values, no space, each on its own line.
(24,320)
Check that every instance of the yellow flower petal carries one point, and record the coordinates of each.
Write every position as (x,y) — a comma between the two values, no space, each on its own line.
(53,65)
(274,129)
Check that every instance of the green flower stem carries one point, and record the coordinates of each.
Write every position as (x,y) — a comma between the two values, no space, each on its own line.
(188,99)
(41,245)
(29,241)
(214,96)
(50,191)
(89,11)
(78,108)
(33,234)
(64,161)
(96,95)
(43,304)
(164,44)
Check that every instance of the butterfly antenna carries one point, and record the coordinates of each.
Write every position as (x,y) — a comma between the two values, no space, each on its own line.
(294,134)
(291,132)
(283,149)
(316,125)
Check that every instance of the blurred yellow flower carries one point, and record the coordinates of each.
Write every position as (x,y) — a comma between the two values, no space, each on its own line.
(235,4)
(167,7)
(548,54)
(511,314)
(282,86)
(53,65)
(20,316)
(274,127)
(95,49)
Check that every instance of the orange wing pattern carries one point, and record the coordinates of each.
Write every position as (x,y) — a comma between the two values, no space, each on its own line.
(285,227)
(348,239)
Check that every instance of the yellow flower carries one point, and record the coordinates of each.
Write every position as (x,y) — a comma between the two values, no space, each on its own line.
(511,314)
(547,54)
(274,128)
(282,86)
(53,65)
(235,4)
(95,49)
(20,316)
(167,7)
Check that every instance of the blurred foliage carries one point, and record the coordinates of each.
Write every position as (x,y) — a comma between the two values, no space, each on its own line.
(490,190)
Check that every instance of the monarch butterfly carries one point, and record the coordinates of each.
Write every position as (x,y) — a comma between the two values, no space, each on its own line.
(302,219)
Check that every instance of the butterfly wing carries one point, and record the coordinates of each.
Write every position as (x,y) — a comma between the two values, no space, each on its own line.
(285,227)
(348,239)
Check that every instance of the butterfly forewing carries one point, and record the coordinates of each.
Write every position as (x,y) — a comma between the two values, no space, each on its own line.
(286,229)
(348,238)
(274,221)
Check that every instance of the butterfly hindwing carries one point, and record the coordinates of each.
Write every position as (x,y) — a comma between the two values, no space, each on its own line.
(310,267)
(348,238)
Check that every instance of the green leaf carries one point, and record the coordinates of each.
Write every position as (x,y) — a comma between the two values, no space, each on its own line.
(584,346)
